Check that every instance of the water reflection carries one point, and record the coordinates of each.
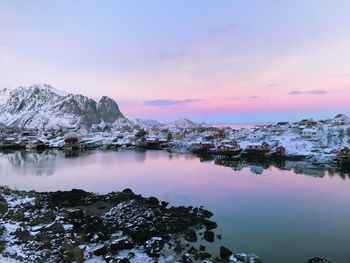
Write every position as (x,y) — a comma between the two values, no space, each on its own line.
(45,162)
(40,163)
(298,167)
(269,208)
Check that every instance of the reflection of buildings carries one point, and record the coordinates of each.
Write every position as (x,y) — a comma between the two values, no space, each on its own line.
(256,169)
(236,165)
(298,167)
(310,171)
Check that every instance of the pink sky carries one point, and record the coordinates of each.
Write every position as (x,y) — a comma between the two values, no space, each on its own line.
(209,61)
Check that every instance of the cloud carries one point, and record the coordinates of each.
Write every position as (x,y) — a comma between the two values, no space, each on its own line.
(295,92)
(166,102)
(317,92)
(312,92)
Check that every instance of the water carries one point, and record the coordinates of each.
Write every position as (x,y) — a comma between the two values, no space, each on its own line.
(279,215)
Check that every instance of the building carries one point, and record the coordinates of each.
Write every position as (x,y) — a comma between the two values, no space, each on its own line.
(311,134)
(341,119)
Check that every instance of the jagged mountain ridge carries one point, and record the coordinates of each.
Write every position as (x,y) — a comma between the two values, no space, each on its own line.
(42,106)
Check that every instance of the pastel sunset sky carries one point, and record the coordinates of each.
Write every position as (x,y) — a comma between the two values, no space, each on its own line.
(215,61)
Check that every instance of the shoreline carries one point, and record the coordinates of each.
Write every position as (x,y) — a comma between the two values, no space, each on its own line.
(78,226)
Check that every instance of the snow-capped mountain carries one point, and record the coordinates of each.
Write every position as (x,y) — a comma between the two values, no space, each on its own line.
(42,106)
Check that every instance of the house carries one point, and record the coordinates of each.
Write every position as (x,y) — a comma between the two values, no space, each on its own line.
(201,146)
(311,134)
(258,148)
(219,135)
(71,141)
(256,135)
(341,119)
(230,143)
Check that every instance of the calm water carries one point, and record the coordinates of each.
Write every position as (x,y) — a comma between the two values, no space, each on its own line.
(279,215)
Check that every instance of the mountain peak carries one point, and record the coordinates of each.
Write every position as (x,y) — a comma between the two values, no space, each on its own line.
(43,106)
(47,87)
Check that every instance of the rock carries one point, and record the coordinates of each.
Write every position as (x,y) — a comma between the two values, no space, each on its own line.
(209,224)
(202,248)
(100,250)
(153,201)
(22,235)
(108,110)
(48,217)
(225,253)
(207,214)
(243,257)
(204,255)
(73,198)
(123,260)
(191,236)
(318,260)
(164,204)
(120,244)
(128,191)
(74,214)
(154,246)
(56,228)
(209,236)
(186,258)
(3,205)
(18,216)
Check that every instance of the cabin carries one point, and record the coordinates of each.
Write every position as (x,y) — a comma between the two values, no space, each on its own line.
(281,151)
(71,141)
(219,135)
(235,144)
(152,142)
(231,143)
(226,147)
(258,148)
(202,146)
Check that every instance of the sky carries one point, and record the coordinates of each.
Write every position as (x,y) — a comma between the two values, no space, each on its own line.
(215,61)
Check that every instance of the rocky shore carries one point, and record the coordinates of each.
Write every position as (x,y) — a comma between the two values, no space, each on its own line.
(77,226)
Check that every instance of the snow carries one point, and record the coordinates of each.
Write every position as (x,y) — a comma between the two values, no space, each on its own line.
(47,87)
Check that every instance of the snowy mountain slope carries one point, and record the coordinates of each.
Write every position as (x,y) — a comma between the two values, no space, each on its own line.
(42,106)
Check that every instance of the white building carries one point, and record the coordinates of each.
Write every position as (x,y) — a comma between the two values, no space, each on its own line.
(341,119)
(311,134)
